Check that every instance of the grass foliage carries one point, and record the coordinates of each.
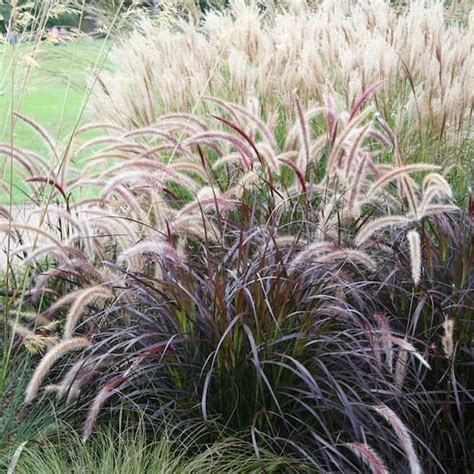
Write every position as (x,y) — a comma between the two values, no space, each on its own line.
(295,292)
(112,452)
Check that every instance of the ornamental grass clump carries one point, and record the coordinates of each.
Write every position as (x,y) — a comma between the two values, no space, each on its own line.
(221,272)
(286,360)
(341,47)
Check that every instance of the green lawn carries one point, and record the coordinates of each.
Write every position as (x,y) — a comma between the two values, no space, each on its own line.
(48,86)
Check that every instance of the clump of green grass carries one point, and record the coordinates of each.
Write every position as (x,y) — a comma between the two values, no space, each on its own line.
(127,451)
(16,426)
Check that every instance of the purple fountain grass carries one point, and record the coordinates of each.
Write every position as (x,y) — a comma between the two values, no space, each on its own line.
(224,276)
(47,362)
(403,435)
(370,457)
